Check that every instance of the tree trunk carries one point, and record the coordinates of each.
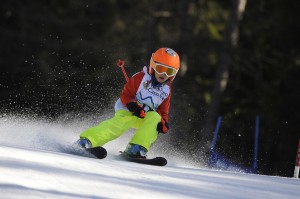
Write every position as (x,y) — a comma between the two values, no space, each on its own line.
(222,73)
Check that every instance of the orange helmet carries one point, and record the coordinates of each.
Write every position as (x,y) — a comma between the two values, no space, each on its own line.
(166,57)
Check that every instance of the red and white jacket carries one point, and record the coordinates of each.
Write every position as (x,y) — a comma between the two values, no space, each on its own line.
(139,89)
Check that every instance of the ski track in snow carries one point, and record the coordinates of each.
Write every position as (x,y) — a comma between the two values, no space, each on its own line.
(35,163)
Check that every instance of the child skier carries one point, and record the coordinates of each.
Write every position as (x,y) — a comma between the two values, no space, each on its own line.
(144,105)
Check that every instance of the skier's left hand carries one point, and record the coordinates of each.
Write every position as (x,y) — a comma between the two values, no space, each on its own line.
(163,126)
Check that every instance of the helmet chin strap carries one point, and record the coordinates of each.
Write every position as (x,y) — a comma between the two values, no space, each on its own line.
(156,83)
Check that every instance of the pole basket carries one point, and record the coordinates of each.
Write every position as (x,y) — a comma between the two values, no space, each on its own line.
(297,163)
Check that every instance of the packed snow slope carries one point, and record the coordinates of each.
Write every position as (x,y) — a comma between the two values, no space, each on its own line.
(35,162)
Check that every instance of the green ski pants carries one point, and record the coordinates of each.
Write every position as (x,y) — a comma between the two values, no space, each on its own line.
(123,120)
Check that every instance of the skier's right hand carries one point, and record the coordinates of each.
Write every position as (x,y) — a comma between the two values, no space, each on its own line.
(163,126)
(136,109)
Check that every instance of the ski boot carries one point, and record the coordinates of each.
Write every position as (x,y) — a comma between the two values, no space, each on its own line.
(84,143)
(136,151)
(99,151)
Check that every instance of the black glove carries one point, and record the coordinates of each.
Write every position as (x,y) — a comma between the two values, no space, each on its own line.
(136,109)
(162,127)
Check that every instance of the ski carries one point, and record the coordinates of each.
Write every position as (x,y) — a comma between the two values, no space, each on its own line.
(95,152)
(157,161)
(99,152)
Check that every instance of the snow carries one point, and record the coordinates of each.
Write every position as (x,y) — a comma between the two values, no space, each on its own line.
(35,163)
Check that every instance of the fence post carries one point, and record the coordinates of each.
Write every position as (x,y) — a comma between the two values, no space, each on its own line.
(297,163)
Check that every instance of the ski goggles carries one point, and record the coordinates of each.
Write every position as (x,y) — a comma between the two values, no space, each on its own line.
(167,70)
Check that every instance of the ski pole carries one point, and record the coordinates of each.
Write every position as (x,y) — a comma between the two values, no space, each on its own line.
(121,64)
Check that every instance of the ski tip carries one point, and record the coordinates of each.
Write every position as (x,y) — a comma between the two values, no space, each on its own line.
(161,161)
(99,152)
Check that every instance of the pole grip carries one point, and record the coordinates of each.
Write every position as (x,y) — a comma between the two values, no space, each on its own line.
(297,163)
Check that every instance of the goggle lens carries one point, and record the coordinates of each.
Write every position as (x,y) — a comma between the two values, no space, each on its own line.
(165,69)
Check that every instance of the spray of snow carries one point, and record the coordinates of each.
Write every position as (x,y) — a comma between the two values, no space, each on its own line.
(59,135)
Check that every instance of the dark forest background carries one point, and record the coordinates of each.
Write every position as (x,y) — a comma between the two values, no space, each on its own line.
(239,59)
